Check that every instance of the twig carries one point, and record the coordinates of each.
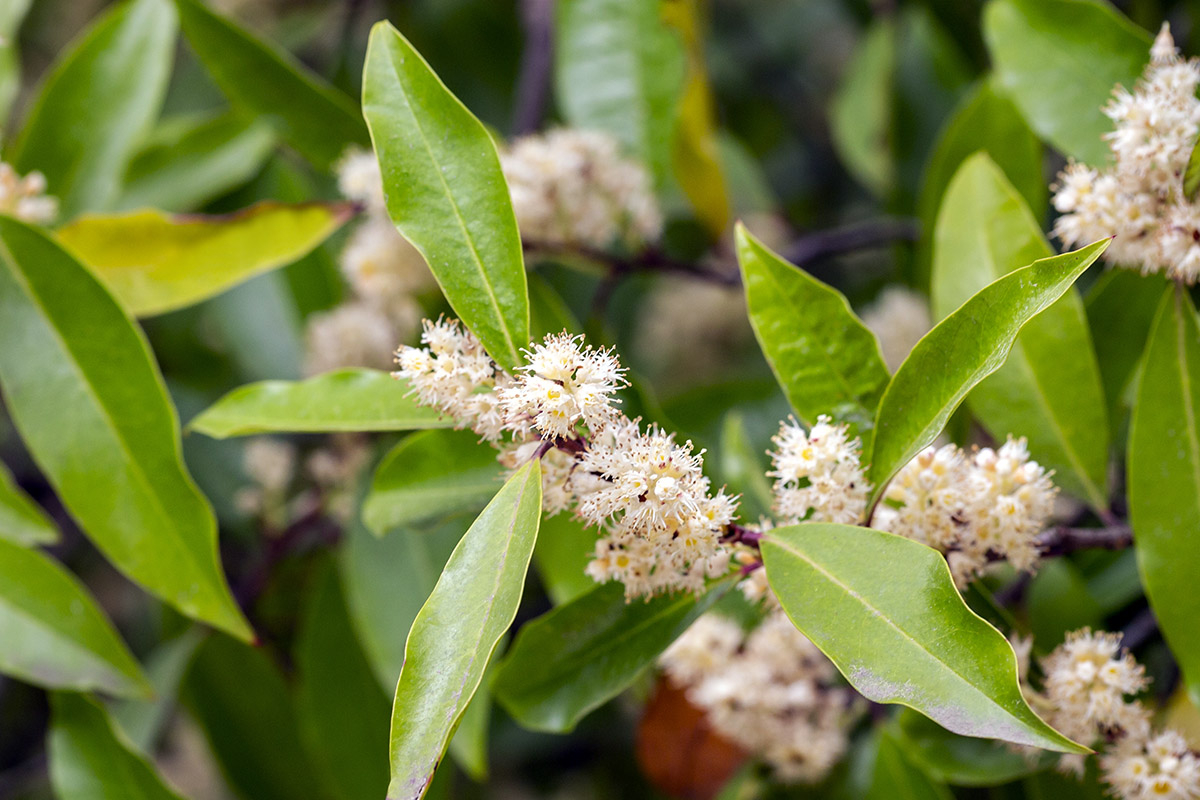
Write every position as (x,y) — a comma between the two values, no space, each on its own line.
(1139,630)
(1062,540)
(863,236)
(537,60)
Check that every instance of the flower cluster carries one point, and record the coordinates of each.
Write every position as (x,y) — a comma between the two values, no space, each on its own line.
(574,188)
(25,197)
(772,692)
(1140,199)
(817,474)
(660,523)
(992,504)
(690,331)
(899,317)
(1161,767)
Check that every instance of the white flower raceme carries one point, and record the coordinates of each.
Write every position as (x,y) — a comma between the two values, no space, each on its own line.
(573,187)
(993,504)
(771,692)
(691,330)
(382,268)
(354,334)
(25,197)
(1140,199)
(899,317)
(270,464)
(1161,767)
(817,474)
(360,180)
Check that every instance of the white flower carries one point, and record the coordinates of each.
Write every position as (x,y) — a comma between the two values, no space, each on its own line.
(382,268)
(899,317)
(1159,768)
(817,474)
(25,197)
(354,335)
(269,462)
(359,179)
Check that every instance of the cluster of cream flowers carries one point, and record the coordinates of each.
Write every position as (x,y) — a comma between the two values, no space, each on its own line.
(1140,199)
(272,465)
(974,508)
(660,523)
(574,188)
(25,197)
(899,317)
(1087,686)
(817,474)
(772,692)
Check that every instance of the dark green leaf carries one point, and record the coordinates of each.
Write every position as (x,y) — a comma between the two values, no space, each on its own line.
(961,351)
(885,611)
(861,116)
(881,769)
(54,634)
(21,520)
(563,550)
(264,79)
(744,468)
(1164,478)
(11,15)
(98,101)
(345,400)
(88,400)
(1058,600)
(446,193)
(143,720)
(458,628)
(960,760)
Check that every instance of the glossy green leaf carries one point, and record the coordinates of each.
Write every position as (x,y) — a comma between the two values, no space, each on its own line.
(191,160)
(429,476)
(21,520)
(1120,308)
(861,115)
(344,400)
(962,350)
(620,69)
(87,398)
(579,656)
(1058,600)
(880,607)
(458,628)
(1059,61)
(446,193)
(825,359)
(1049,389)
(98,101)
(142,720)
(341,708)
(245,708)
(89,759)
(155,262)
(319,121)
(11,15)
(1164,478)
(960,760)
(564,548)
(881,768)
(744,468)
(54,634)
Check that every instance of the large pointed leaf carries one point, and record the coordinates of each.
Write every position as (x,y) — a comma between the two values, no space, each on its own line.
(143,720)
(429,476)
(826,360)
(21,520)
(446,193)
(620,69)
(861,115)
(97,103)
(1164,478)
(579,656)
(564,548)
(344,400)
(885,611)
(155,262)
(1059,60)
(264,79)
(457,629)
(89,759)
(81,386)
(54,634)
(1049,389)
(961,351)
(961,760)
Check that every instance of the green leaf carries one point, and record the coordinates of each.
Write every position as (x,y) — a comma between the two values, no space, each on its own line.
(344,400)
(744,469)
(1057,601)
(458,628)
(341,708)
(1049,389)
(580,655)
(1059,61)
(89,759)
(882,769)
(429,476)
(620,69)
(446,193)
(1120,308)
(155,262)
(22,521)
(1164,478)
(260,77)
(825,359)
(242,702)
(1191,175)
(960,760)
(885,611)
(98,101)
(88,400)
(861,115)
(11,15)
(142,720)
(564,548)
(962,350)
(54,634)
(194,159)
